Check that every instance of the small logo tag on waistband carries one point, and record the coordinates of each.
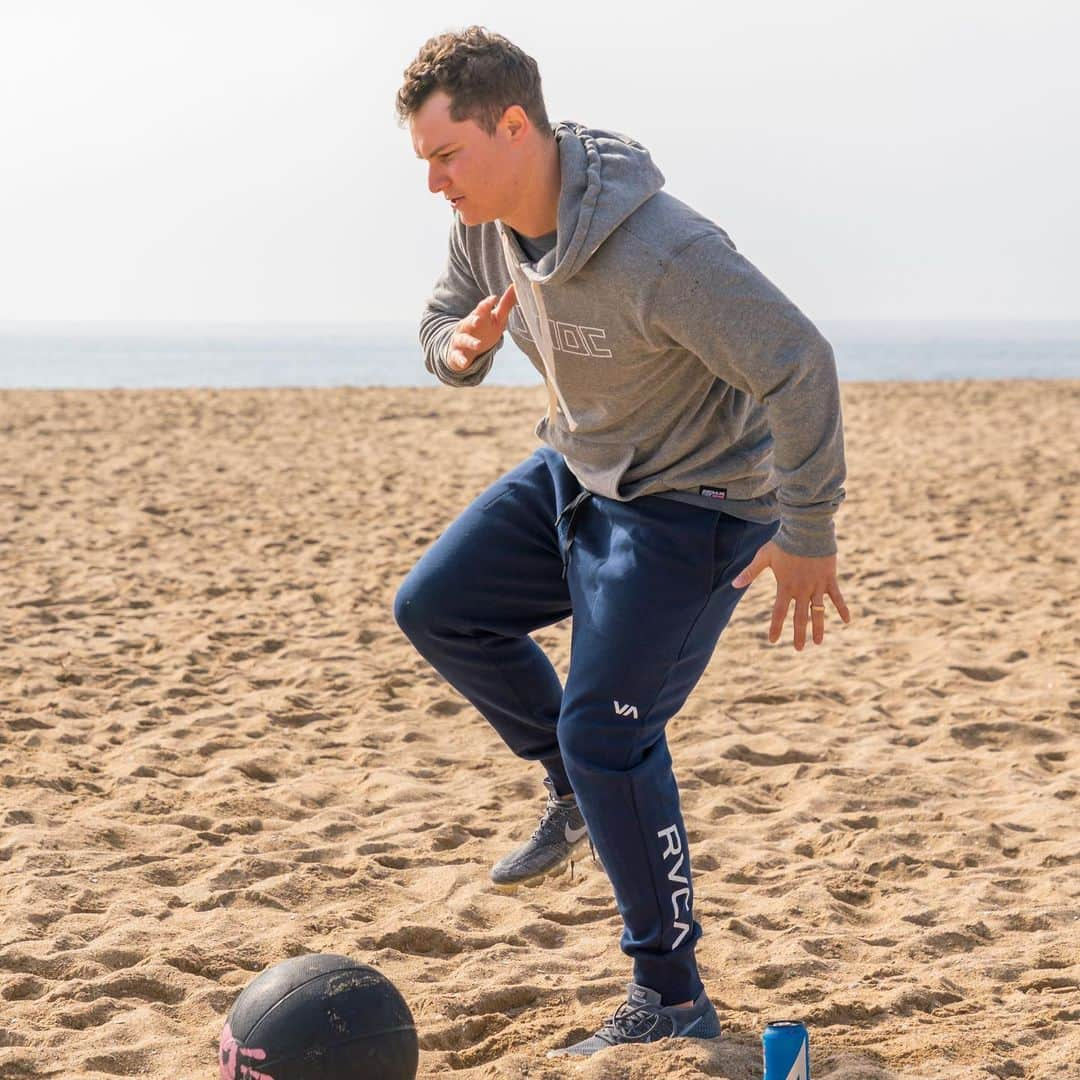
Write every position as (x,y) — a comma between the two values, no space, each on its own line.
(712,492)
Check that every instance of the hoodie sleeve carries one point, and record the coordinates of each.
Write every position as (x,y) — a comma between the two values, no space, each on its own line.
(455,295)
(715,303)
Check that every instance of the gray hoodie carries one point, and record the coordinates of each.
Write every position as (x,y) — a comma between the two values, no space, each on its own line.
(673,366)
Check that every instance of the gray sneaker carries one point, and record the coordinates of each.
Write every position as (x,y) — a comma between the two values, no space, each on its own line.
(642,1019)
(560,833)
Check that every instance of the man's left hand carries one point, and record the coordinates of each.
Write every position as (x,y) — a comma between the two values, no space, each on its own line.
(803,579)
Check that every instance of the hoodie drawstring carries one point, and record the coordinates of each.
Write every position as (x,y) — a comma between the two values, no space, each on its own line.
(543,343)
(528,289)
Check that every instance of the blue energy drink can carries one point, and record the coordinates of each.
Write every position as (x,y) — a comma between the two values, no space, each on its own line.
(786,1047)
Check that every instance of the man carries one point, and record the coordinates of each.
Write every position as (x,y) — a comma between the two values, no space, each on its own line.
(692,439)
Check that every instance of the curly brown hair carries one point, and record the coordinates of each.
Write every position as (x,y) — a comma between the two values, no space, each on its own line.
(481,72)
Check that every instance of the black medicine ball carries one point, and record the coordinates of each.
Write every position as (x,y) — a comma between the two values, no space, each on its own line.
(319,1017)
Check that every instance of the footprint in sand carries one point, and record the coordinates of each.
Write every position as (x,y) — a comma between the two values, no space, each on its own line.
(766,699)
(543,934)
(463,1034)
(500,999)
(27,723)
(134,985)
(262,773)
(450,837)
(770,976)
(446,707)
(980,674)
(945,942)
(27,989)
(115,959)
(790,756)
(859,892)
(581,916)
(214,965)
(122,1062)
(297,718)
(435,941)
(999,734)
(47,967)
(100,1012)
(246,872)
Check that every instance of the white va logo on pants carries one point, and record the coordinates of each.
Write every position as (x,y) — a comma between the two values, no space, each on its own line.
(626,710)
(673,846)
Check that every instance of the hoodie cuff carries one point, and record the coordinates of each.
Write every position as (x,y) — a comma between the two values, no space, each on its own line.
(808,537)
(474,374)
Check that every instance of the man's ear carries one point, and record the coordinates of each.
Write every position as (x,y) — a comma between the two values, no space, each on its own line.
(514,121)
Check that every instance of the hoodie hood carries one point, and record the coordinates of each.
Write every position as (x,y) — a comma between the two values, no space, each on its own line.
(605,178)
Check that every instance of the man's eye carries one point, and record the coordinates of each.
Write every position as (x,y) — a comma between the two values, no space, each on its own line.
(446,157)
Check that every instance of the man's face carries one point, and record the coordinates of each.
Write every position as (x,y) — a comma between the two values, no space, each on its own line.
(466,166)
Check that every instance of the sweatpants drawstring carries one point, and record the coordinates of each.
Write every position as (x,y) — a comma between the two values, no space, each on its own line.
(570,513)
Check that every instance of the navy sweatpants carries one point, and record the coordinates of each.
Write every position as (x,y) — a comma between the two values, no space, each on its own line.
(648,584)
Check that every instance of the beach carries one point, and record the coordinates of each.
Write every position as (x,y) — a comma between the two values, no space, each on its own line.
(219,751)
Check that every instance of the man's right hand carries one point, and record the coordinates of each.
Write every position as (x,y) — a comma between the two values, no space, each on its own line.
(478,332)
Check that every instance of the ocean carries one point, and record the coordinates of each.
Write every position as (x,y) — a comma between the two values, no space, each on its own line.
(144,356)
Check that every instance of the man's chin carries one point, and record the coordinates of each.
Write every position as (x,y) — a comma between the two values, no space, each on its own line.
(469,216)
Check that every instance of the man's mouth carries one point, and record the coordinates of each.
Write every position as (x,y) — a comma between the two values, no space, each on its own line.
(454,202)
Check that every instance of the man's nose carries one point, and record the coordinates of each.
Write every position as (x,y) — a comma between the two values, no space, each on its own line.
(436,180)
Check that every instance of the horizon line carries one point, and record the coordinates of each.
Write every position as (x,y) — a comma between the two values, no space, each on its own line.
(354,324)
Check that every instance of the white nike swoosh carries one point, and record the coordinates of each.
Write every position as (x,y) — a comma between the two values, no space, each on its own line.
(690,1027)
(574,835)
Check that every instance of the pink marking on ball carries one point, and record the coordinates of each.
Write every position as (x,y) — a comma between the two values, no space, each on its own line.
(229,1063)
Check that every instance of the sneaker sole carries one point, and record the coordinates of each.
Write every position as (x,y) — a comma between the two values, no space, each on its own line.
(560,869)
(564,1053)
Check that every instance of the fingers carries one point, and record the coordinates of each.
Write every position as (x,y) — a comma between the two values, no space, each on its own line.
(479,330)
(802,613)
(838,601)
(779,615)
(817,617)
(495,309)
(806,591)
(456,360)
(463,350)
(506,302)
(480,316)
(808,610)
(466,345)
(812,610)
(463,340)
(747,574)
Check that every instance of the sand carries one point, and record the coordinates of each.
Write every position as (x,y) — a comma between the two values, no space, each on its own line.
(219,751)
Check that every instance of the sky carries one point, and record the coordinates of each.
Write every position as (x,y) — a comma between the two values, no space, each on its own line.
(236,161)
